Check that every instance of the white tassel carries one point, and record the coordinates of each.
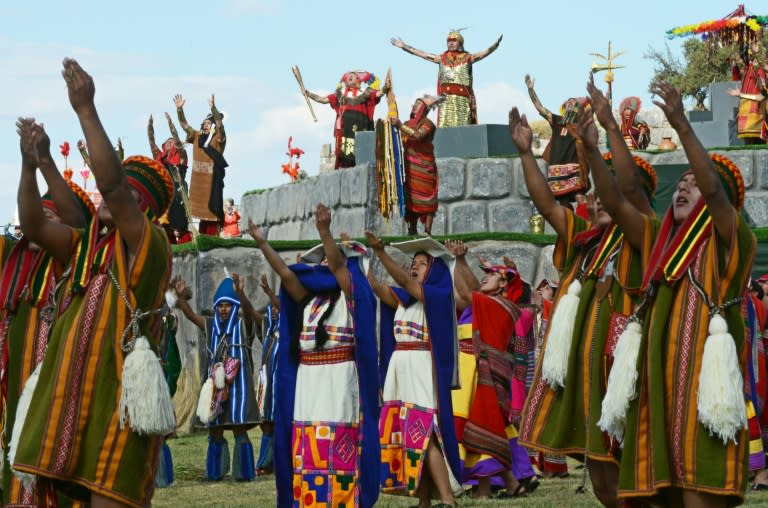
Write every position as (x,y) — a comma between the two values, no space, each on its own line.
(721,405)
(145,401)
(219,376)
(204,412)
(554,366)
(22,409)
(621,381)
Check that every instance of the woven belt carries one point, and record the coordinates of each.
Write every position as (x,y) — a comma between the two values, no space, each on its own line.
(412,346)
(465,346)
(454,89)
(328,357)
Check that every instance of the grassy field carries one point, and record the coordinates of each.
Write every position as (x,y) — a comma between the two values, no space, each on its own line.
(190,490)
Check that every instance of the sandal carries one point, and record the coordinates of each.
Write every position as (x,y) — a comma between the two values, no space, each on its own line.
(759,486)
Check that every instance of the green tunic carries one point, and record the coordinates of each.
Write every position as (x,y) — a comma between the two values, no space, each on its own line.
(664,443)
(564,420)
(72,432)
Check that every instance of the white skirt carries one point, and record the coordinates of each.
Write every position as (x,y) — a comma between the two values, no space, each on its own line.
(327,393)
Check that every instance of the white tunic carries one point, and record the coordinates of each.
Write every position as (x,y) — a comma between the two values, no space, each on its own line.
(409,375)
(327,393)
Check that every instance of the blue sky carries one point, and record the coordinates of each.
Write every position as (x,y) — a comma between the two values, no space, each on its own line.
(141,53)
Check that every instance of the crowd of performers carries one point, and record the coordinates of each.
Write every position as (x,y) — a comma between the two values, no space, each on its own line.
(644,362)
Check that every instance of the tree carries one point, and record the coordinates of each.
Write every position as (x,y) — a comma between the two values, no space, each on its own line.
(704,64)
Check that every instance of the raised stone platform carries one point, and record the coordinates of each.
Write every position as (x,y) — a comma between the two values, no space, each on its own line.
(475,195)
(486,140)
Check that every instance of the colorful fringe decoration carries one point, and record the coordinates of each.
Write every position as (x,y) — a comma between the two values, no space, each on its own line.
(737,28)
(390,170)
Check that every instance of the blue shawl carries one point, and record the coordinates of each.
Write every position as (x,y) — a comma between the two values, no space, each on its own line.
(441,322)
(318,280)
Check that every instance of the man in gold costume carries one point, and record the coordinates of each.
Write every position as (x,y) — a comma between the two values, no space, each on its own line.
(454,78)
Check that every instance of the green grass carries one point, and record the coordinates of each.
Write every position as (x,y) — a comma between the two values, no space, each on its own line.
(191,491)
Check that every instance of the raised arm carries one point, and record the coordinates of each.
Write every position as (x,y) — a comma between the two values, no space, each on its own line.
(106,167)
(720,208)
(291,283)
(321,99)
(218,120)
(627,174)
(151,137)
(51,236)
(68,207)
(179,285)
(464,281)
(273,299)
(336,260)
(476,57)
(400,276)
(544,112)
(380,290)
(398,43)
(179,102)
(623,213)
(249,313)
(541,194)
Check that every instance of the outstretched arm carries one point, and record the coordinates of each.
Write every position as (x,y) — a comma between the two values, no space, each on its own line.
(107,168)
(484,53)
(627,174)
(547,114)
(722,211)
(51,236)
(336,260)
(400,276)
(179,102)
(541,194)
(69,209)
(464,281)
(398,43)
(291,283)
(218,119)
(268,291)
(321,99)
(179,285)
(151,137)
(623,213)
(249,312)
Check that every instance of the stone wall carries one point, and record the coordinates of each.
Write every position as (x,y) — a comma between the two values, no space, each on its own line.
(475,195)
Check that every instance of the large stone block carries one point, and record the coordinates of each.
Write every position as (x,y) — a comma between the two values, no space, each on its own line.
(761,168)
(467,217)
(439,223)
(285,231)
(489,178)
(451,176)
(671,157)
(545,268)
(307,229)
(305,189)
(349,220)
(353,185)
(253,206)
(522,189)
(328,190)
(755,206)
(509,215)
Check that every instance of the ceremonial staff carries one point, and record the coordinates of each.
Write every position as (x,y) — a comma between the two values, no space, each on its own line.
(297,74)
